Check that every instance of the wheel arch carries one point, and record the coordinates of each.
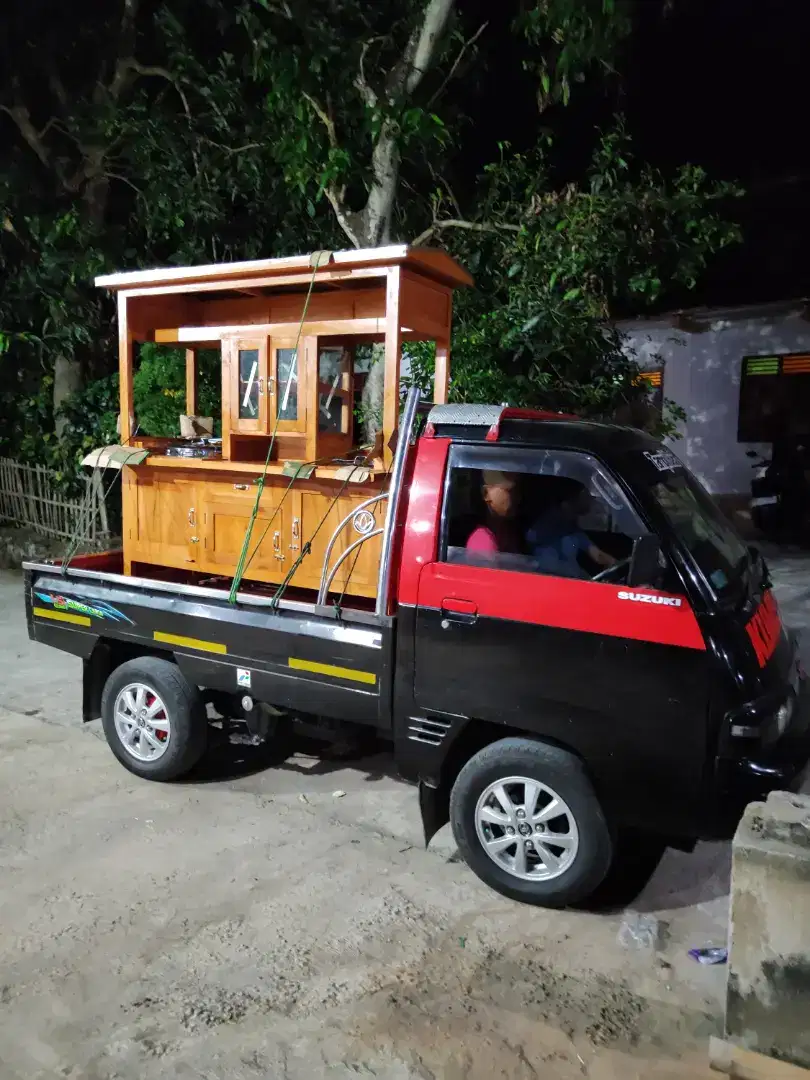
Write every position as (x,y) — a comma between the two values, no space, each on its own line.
(434,795)
(107,655)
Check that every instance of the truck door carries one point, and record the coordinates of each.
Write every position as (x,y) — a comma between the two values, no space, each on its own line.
(517,625)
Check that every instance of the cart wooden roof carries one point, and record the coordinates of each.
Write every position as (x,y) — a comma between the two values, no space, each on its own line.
(333,266)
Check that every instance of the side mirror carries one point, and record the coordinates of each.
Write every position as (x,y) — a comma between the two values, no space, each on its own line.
(645,562)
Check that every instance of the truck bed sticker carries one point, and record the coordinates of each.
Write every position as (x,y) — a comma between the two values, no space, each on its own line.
(98,609)
(190,642)
(764,629)
(334,670)
(62,616)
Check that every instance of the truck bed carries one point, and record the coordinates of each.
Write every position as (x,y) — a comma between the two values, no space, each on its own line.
(293,654)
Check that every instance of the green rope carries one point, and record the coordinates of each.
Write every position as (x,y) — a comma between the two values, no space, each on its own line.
(338,604)
(301,466)
(242,563)
(83,521)
(307,547)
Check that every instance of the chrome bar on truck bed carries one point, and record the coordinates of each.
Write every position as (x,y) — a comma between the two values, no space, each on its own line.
(394,497)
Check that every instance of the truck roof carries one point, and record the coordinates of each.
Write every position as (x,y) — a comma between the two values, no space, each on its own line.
(500,423)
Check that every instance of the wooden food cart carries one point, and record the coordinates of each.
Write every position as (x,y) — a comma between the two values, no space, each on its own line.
(287,330)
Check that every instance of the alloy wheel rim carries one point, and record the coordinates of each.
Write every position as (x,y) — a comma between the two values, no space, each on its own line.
(526,828)
(142,722)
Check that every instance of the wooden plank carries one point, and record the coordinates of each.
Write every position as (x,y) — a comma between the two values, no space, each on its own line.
(191,382)
(441,376)
(726,1057)
(425,306)
(249,468)
(125,360)
(393,351)
(202,335)
(250,285)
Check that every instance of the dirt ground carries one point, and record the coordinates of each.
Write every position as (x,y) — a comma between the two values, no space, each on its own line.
(287,923)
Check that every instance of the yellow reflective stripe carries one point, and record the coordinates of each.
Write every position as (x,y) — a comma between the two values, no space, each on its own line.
(62,616)
(334,670)
(190,642)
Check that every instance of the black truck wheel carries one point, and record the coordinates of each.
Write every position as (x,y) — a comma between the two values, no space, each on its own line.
(527,822)
(154,719)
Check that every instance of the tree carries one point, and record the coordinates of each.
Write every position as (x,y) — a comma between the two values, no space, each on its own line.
(556,262)
(358,89)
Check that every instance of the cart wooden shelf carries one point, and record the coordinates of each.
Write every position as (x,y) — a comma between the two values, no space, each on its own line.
(287,331)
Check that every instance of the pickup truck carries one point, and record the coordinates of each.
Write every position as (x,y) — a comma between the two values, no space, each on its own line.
(570,645)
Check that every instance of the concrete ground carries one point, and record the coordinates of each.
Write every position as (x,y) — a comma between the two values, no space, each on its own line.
(288,924)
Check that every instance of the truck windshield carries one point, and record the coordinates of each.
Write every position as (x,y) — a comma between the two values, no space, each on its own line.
(703,530)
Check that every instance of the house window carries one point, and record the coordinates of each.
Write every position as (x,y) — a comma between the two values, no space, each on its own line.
(655,382)
(774,397)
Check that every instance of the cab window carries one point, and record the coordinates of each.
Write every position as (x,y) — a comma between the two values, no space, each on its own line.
(550,512)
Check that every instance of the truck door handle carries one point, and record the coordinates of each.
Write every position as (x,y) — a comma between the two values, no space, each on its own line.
(460,612)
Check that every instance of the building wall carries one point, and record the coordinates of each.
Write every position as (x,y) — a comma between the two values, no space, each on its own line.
(702,369)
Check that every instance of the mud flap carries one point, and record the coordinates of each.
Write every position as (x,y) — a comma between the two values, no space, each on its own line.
(434,805)
(95,673)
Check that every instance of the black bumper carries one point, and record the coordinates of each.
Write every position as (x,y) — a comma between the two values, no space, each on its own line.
(782,766)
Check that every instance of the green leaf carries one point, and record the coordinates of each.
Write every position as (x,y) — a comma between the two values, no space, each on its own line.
(572,294)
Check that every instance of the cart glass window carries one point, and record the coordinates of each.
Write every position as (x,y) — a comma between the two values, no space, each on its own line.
(248,384)
(287,388)
(333,391)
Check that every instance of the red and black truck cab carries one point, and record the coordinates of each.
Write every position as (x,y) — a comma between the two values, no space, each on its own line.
(672,678)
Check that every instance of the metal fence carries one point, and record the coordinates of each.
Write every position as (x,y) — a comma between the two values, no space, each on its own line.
(30,497)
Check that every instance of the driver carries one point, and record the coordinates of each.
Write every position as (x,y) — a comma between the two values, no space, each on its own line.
(556,539)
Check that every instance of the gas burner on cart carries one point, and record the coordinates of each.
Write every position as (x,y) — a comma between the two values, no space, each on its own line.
(196,448)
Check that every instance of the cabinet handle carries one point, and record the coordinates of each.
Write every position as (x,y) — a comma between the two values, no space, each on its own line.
(277,546)
(271,385)
(195,540)
(261,386)
(192,517)
(296,534)
(240,487)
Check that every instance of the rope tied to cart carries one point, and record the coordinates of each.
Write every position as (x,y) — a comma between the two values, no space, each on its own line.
(317,259)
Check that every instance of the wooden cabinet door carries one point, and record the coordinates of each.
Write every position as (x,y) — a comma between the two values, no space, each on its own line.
(162,520)
(288,369)
(248,377)
(358,572)
(226,515)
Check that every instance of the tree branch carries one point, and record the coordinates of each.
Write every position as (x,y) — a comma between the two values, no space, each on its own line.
(417,57)
(58,91)
(344,219)
(436,17)
(22,118)
(360,82)
(126,49)
(458,223)
(467,44)
(324,117)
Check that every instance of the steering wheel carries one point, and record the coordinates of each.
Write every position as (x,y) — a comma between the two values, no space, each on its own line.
(604,575)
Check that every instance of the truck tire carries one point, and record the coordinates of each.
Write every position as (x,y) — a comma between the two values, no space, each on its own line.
(528,823)
(154,719)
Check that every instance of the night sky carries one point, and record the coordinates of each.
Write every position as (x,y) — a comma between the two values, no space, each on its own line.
(726,84)
(720,83)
